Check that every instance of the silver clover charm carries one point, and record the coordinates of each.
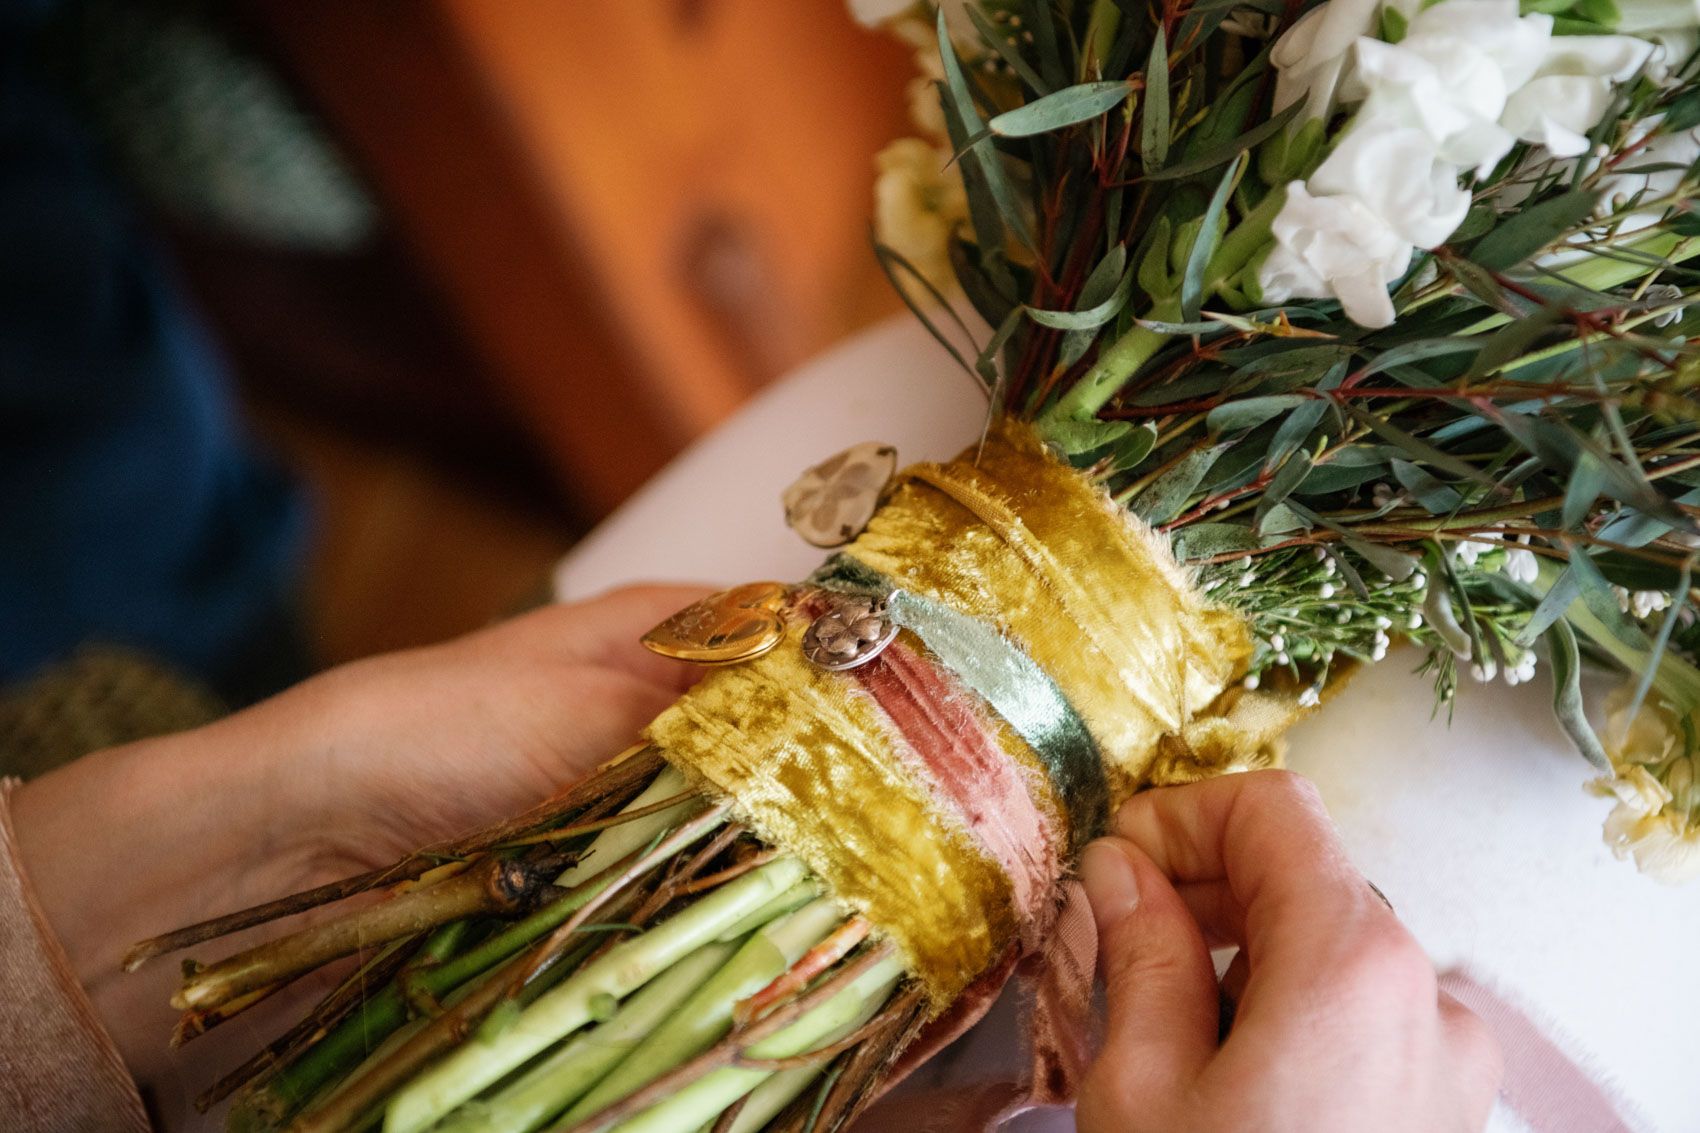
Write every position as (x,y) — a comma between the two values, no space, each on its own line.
(854,630)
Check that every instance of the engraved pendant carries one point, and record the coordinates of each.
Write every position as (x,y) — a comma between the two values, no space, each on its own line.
(725,628)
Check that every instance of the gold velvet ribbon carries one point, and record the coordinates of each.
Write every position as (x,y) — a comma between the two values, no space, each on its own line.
(1011,536)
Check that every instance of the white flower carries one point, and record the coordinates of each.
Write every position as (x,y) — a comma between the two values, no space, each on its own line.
(1522,669)
(1484,670)
(1665,846)
(1571,90)
(1635,788)
(1451,76)
(918,203)
(1641,603)
(1656,16)
(1311,56)
(1310,697)
(1671,49)
(1676,150)
(1334,246)
(1521,565)
(1467,551)
(1393,170)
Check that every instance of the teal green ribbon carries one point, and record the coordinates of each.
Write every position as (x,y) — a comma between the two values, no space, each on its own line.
(1007,679)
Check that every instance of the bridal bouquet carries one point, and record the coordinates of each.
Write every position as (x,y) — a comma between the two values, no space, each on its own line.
(1308,330)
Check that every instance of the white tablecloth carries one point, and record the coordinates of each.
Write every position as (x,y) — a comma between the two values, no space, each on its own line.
(1480,833)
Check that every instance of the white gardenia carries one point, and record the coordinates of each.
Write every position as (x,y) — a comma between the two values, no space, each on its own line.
(1334,246)
(1422,202)
(1566,98)
(1463,84)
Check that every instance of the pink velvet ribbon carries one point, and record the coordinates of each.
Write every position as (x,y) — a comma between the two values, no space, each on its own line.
(947,741)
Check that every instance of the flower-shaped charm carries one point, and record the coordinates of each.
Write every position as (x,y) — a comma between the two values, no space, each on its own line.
(725,628)
(854,630)
(831,503)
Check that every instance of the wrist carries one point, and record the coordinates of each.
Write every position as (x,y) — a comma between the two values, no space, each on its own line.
(129,842)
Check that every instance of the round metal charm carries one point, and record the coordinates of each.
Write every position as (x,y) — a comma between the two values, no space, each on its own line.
(725,628)
(854,630)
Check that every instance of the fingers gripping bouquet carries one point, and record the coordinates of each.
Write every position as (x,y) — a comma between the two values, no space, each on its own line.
(1312,329)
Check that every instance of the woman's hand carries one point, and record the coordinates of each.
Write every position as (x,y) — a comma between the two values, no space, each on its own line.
(1338,1024)
(346,772)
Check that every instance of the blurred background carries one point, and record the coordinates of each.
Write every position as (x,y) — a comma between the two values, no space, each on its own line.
(325,328)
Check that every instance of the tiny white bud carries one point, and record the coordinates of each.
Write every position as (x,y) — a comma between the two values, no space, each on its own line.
(1278,642)
(1252,681)
(1283,659)
(1382,622)
(1415,621)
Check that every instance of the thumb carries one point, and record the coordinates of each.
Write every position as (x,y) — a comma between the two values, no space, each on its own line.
(1159,985)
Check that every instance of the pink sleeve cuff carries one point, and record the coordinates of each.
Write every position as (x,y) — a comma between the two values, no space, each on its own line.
(59,1071)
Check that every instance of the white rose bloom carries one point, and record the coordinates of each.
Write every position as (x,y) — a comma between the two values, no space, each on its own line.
(1572,89)
(1394,171)
(1334,246)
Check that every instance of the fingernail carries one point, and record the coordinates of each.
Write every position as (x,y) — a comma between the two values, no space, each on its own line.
(1111,886)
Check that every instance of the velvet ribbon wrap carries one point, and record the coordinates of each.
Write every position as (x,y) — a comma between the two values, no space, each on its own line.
(1053,659)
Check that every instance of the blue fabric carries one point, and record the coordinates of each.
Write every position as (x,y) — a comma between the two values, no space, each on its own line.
(132,508)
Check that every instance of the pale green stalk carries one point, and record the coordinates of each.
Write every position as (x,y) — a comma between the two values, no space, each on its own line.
(793,898)
(707,1016)
(617,842)
(577,1066)
(709,1095)
(773,1095)
(483,1060)
(1115,365)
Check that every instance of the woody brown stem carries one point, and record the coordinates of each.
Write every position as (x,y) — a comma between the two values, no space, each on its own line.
(330,1011)
(632,768)
(493,887)
(856,1086)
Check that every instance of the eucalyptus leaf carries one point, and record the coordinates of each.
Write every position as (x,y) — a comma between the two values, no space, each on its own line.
(1067,107)
(1208,540)
(1250,412)
(1565,661)
(1530,230)
(1289,476)
(1436,497)
(1092,317)
(1074,438)
(982,154)
(1565,589)
(1395,564)
(1167,496)
(1204,244)
(1154,118)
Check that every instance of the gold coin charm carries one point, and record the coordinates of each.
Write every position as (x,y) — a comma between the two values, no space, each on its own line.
(725,628)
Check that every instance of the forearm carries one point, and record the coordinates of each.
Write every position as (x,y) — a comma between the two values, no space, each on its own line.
(136,840)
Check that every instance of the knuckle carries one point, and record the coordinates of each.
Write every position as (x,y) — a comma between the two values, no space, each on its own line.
(1389,966)
(1281,784)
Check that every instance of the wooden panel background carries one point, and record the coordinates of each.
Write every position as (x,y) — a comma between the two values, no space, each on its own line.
(639,210)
